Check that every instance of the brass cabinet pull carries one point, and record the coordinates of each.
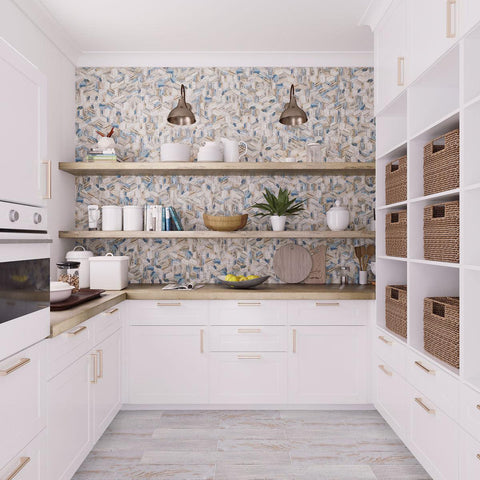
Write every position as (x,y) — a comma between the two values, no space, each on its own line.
(110,312)
(400,71)
(201,340)
(48,194)
(249,330)
(23,463)
(249,304)
(171,304)
(19,364)
(328,304)
(424,368)
(451,30)
(100,363)
(72,333)
(427,409)
(384,340)
(249,357)
(384,370)
(478,456)
(478,406)
(94,359)
(294,340)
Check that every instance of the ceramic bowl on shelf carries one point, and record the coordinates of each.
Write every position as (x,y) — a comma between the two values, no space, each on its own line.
(245,284)
(225,223)
(60,291)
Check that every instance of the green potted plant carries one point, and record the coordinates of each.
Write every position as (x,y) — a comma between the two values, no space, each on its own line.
(278,208)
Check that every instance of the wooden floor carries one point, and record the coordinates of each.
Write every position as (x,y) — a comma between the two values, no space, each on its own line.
(250,445)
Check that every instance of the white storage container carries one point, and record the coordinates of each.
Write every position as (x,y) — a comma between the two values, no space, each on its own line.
(111,217)
(109,272)
(79,254)
(132,218)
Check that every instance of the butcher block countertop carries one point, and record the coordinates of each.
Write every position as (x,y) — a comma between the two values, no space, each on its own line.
(67,319)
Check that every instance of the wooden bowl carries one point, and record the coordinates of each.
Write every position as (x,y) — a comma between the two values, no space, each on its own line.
(222,223)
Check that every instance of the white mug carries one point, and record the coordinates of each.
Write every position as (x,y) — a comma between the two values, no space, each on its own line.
(231,152)
(210,152)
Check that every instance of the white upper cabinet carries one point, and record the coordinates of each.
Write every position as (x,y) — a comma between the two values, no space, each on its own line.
(470,14)
(391,54)
(433,28)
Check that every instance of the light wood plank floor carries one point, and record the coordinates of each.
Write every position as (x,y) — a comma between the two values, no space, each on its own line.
(250,445)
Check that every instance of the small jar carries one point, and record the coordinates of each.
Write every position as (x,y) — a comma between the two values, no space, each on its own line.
(111,217)
(69,272)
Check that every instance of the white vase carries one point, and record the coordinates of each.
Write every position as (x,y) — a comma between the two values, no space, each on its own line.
(278,223)
(362,277)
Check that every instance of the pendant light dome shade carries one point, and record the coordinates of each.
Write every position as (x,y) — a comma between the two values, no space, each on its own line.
(182,114)
(293,114)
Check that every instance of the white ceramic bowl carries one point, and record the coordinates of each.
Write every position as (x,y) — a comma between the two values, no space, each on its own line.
(59,291)
(175,152)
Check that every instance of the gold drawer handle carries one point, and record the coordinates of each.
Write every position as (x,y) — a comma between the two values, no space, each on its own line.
(100,363)
(94,359)
(384,370)
(201,340)
(400,71)
(249,357)
(427,409)
(384,340)
(451,31)
(478,456)
(48,192)
(72,333)
(478,406)
(20,364)
(23,463)
(331,304)
(172,304)
(249,330)
(249,304)
(110,312)
(424,368)
(294,340)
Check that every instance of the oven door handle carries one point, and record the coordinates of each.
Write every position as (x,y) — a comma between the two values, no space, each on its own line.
(25,240)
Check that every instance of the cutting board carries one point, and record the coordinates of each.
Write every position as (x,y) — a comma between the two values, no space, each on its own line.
(82,296)
(317,274)
(292,263)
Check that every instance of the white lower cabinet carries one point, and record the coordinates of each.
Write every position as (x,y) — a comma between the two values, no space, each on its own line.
(167,364)
(469,458)
(328,364)
(250,378)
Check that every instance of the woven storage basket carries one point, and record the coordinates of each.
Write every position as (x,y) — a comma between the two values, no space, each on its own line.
(396,234)
(396,309)
(441,328)
(441,240)
(396,181)
(441,170)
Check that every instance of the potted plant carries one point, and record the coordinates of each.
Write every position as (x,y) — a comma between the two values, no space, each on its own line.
(278,208)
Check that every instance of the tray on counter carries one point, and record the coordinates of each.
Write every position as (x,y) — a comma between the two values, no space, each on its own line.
(82,296)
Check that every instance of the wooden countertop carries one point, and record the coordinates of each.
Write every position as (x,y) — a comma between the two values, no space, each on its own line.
(67,319)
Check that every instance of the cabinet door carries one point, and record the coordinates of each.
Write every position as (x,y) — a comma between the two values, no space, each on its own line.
(470,14)
(69,420)
(167,364)
(433,29)
(327,364)
(106,390)
(390,54)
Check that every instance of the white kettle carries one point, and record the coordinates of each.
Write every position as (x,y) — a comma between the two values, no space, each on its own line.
(231,151)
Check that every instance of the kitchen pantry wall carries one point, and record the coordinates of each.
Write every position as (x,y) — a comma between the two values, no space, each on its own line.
(238,103)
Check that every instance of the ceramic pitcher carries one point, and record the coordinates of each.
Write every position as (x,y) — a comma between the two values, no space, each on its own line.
(231,152)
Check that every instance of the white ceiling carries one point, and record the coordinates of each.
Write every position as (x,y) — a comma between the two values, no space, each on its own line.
(212,25)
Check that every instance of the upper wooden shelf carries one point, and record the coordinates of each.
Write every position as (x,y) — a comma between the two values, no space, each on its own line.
(218,168)
(352,234)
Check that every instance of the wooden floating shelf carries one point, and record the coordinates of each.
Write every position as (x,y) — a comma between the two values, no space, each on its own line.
(347,234)
(218,168)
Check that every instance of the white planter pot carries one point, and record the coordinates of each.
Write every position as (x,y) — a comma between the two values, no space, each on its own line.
(278,223)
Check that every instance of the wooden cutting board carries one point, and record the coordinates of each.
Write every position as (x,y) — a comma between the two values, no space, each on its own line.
(318,274)
(292,263)
(82,296)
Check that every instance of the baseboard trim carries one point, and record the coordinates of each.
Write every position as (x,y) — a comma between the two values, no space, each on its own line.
(130,406)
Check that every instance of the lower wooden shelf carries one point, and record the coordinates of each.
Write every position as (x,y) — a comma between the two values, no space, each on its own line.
(347,234)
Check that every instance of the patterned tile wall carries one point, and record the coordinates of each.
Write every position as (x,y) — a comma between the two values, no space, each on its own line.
(238,103)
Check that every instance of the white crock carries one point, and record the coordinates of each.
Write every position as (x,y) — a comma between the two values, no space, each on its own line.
(338,217)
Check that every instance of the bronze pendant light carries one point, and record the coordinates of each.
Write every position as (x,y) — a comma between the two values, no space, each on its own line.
(182,114)
(293,114)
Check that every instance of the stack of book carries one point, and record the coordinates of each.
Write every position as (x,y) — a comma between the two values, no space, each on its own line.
(162,219)
(99,155)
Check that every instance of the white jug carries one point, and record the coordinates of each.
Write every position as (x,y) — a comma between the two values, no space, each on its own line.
(231,151)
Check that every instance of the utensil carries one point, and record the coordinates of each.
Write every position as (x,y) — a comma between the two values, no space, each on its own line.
(245,284)
(223,223)
(60,291)
(175,152)
(317,274)
(231,151)
(292,263)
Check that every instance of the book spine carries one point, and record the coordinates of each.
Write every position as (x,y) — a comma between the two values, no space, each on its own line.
(168,220)
(176,219)
(164,222)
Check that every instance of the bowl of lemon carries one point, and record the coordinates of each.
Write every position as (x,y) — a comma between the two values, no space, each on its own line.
(242,281)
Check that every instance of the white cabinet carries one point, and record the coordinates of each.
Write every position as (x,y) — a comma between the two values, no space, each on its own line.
(391,54)
(470,15)
(264,338)
(469,458)
(248,312)
(433,29)
(328,364)
(167,364)
(391,351)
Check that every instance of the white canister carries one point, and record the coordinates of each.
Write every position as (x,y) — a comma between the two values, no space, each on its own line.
(111,217)
(79,254)
(175,152)
(338,217)
(109,272)
(210,152)
(132,217)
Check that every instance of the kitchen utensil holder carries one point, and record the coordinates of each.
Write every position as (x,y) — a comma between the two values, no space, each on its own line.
(396,181)
(396,234)
(396,309)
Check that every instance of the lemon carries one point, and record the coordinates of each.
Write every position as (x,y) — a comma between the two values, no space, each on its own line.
(241,278)
(252,277)
(231,278)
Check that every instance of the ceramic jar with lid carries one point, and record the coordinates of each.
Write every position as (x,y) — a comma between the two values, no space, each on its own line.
(69,272)
(111,217)
(338,217)
(80,255)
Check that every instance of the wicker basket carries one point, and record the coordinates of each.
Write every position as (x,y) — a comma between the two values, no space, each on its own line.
(441,170)
(224,223)
(396,309)
(441,328)
(441,232)
(396,234)
(396,181)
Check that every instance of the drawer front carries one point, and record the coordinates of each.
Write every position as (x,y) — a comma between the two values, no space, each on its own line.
(248,312)
(391,351)
(106,323)
(22,399)
(327,312)
(253,378)
(265,338)
(69,346)
(442,388)
(167,312)
(29,464)
(470,411)
(469,458)
(435,436)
